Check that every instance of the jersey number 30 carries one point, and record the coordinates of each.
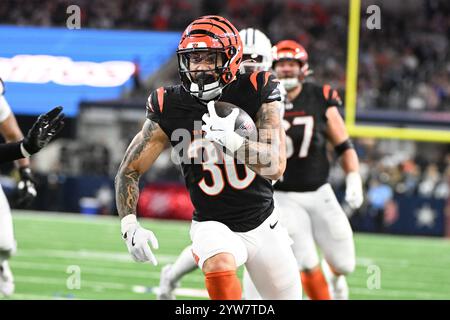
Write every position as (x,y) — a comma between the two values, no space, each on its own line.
(228,170)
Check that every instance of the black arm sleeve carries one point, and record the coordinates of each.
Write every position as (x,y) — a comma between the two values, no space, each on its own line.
(10,152)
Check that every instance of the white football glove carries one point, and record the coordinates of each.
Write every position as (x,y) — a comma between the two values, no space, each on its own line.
(221,130)
(354,190)
(137,239)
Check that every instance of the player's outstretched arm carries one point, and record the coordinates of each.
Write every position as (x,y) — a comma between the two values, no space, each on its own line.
(11,132)
(267,156)
(26,187)
(10,152)
(145,148)
(46,127)
(339,137)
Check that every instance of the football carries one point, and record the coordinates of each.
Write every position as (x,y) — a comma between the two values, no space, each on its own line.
(245,126)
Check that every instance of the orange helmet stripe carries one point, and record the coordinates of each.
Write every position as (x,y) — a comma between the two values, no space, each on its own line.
(215,28)
(211,33)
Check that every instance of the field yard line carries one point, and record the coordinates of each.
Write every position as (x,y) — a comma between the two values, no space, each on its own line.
(150,274)
(399,283)
(185,292)
(397,263)
(202,293)
(88,254)
(398,293)
(80,218)
(188,291)
(62,281)
(153,274)
(125,257)
(122,265)
(367,261)
(17,265)
(25,296)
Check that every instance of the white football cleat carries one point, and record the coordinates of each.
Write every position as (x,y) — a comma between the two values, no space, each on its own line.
(337,284)
(6,280)
(166,285)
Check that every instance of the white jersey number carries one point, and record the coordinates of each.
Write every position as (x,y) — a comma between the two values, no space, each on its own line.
(308,122)
(213,157)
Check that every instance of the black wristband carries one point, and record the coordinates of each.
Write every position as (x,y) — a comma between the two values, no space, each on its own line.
(10,152)
(341,148)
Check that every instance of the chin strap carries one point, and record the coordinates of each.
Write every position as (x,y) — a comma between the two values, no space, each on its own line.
(201,87)
(206,92)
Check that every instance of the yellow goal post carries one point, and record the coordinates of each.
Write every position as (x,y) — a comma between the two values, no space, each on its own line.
(386,132)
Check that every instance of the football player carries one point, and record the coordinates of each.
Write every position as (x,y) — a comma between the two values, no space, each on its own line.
(307,204)
(19,148)
(257,56)
(234,222)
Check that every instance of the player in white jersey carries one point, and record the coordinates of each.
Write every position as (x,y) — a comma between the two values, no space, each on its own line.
(257,56)
(36,139)
(11,133)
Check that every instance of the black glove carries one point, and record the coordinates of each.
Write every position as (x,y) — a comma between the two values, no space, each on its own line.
(26,188)
(43,130)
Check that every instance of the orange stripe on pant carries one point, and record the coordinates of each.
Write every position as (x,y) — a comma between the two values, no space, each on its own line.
(223,285)
(315,285)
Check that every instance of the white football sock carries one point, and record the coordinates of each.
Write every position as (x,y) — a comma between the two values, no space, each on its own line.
(184,264)
(337,284)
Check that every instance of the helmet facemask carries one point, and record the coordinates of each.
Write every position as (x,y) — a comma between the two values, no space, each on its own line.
(257,55)
(203,83)
(252,62)
(290,83)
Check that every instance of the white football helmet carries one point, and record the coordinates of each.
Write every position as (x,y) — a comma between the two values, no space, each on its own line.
(257,50)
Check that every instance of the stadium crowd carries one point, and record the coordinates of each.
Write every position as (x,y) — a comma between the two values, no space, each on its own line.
(398,70)
(392,169)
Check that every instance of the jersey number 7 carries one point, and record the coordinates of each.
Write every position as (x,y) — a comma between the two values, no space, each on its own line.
(308,123)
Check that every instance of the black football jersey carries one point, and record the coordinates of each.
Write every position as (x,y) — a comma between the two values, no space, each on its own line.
(228,191)
(305,123)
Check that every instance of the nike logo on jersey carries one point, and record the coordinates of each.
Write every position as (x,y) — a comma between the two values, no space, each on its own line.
(273,225)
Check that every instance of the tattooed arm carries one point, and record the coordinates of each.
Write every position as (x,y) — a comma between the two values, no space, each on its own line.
(145,148)
(267,156)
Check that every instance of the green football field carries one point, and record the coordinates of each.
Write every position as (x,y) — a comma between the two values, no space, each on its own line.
(58,253)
